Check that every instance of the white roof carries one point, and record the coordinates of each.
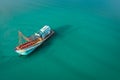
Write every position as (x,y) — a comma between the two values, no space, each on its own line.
(44,28)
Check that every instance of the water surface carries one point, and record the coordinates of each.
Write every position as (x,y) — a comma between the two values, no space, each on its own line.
(85,46)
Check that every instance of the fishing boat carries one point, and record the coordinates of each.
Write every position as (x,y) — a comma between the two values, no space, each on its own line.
(32,42)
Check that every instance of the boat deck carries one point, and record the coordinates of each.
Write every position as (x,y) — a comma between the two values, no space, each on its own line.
(28,44)
(33,42)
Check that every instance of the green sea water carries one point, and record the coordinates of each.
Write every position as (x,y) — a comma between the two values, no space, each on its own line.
(85,46)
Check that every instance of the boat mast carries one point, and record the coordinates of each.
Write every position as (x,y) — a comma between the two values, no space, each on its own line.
(20,35)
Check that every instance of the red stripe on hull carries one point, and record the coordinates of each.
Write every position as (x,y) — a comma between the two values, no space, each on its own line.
(28,44)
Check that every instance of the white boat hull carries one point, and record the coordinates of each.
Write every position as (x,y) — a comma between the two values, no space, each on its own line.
(26,51)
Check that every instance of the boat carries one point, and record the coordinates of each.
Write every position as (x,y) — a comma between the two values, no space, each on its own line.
(32,42)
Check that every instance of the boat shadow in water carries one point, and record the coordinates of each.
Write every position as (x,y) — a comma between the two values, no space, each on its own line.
(60,32)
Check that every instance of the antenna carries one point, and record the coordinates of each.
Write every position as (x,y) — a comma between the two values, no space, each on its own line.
(20,35)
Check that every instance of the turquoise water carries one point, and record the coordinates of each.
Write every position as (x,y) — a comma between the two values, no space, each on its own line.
(85,46)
